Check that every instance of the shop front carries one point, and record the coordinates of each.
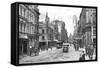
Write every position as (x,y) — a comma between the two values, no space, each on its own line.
(23,45)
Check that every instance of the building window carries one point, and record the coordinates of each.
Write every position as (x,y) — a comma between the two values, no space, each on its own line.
(94,41)
(94,28)
(43,31)
(19,27)
(25,28)
(84,16)
(29,17)
(19,10)
(94,22)
(32,30)
(26,13)
(22,12)
(87,17)
(94,32)
(34,19)
(42,37)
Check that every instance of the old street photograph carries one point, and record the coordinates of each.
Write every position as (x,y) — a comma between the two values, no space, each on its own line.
(56,34)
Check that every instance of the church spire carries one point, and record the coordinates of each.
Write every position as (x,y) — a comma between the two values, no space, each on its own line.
(46,18)
(46,14)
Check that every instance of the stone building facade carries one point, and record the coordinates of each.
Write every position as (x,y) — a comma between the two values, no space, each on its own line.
(87,27)
(28,28)
(60,32)
(46,30)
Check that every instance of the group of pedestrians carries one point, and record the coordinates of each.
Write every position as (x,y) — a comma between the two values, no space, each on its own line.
(89,53)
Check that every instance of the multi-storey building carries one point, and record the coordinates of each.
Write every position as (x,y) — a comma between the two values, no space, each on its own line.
(91,22)
(42,35)
(28,28)
(87,27)
(45,33)
(51,32)
(60,31)
(56,32)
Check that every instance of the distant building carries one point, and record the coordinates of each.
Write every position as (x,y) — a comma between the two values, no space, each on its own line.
(59,31)
(51,31)
(70,38)
(64,34)
(28,28)
(56,31)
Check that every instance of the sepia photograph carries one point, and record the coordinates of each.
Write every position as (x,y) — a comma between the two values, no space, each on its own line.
(56,33)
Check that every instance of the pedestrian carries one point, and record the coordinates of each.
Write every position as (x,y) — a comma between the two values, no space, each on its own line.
(30,50)
(82,56)
(90,52)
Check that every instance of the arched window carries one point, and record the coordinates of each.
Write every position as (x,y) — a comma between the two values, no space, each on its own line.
(23,12)
(19,10)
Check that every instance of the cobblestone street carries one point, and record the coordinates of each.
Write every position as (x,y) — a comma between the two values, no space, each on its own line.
(53,56)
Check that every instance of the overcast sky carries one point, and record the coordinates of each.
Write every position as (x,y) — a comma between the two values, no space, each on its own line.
(61,13)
